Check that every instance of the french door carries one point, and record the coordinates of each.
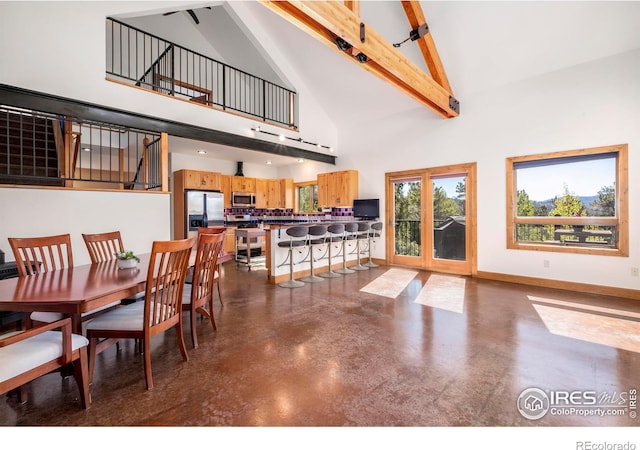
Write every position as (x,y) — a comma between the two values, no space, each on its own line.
(431,218)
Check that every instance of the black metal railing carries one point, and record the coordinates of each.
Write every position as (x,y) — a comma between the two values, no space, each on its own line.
(148,61)
(408,237)
(39,148)
(28,153)
(568,235)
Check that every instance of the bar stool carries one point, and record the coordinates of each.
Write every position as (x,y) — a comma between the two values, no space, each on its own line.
(374,233)
(350,231)
(361,235)
(294,234)
(336,234)
(317,237)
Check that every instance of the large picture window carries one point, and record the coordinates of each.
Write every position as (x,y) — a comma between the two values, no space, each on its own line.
(572,201)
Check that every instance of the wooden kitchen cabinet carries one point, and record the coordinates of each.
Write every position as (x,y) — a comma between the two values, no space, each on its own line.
(243,184)
(262,193)
(225,187)
(337,188)
(229,243)
(195,179)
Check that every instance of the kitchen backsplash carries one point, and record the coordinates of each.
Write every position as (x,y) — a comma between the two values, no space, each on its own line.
(259,213)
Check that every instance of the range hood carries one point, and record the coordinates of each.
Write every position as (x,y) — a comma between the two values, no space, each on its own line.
(239,170)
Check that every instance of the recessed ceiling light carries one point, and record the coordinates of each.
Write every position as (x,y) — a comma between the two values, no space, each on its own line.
(301,160)
(281,137)
(86,149)
(258,129)
(201,152)
(331,149)
(268,162)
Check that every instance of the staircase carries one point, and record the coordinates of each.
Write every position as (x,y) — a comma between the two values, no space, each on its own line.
(28,149)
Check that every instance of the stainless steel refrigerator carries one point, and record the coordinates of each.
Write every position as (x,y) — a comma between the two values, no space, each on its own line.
(203,209)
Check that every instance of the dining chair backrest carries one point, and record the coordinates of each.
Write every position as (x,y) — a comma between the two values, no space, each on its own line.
(42,254)
(209,248)
(103,246)
(211,230)
(165,282)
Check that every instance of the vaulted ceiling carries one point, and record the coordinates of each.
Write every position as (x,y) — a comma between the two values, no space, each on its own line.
(482,46)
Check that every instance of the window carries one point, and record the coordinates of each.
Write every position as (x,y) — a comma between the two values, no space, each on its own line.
(572,201)
(307,195)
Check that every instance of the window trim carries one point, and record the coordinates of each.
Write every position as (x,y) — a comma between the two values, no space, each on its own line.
(621,221)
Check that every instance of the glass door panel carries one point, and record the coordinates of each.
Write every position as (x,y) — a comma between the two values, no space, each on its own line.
(406,218)
(449,217)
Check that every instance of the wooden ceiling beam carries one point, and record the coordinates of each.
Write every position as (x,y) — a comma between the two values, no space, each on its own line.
(328,20)
(427,46)
(353,5)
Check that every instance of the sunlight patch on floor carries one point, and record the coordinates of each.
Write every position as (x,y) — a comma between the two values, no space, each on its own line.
(391,283)
(443,292)
(601,309)
(596,328)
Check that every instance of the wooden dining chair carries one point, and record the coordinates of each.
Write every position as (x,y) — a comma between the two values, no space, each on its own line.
(103,246)
(221,257)
(160,311)
(198,295)
(39,255)
(27,355)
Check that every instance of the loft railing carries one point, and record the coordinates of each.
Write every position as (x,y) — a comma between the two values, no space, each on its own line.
(142,59)
(39,148)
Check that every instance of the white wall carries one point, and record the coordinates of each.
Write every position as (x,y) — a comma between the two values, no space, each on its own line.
(590,105)
(49,30)
(140,217)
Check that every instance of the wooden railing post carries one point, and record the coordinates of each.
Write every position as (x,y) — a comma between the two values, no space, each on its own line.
(164,162)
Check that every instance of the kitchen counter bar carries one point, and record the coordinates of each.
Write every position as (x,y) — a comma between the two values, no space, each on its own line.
(277,263)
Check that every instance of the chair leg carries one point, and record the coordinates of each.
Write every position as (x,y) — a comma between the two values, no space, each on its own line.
(194,334)
(359,266)
(181,344)
(219,289)
(22,394)
(81,374)
(291,283)
(330,273)
(312,278)
(93,344)
(370,263)
(345,270)
(147,364)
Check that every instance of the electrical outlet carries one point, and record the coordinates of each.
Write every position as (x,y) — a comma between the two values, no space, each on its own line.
(635,271)
(546,263)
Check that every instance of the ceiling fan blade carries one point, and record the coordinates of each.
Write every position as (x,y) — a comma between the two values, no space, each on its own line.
(169,13)
(193,16)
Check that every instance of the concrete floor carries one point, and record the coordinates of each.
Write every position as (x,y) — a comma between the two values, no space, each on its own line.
(446,351)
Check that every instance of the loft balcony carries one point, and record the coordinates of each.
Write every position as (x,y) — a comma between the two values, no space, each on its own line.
(141,59)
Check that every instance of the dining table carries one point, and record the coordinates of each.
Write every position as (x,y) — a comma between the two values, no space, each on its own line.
(75,290)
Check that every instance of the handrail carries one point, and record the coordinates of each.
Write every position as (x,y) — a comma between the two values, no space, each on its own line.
(154,64)
(231,88)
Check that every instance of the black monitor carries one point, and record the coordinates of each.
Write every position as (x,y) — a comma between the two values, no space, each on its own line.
(367,209)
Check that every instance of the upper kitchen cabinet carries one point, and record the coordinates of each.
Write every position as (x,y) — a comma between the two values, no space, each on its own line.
(337,188)
(287,195)
(276,193)
(195,179)
(262,193)
(243,184)
(225,183)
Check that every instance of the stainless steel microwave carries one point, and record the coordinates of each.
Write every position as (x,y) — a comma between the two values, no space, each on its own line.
(243,200)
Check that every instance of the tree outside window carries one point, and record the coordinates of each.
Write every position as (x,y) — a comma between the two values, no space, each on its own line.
(572,201)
